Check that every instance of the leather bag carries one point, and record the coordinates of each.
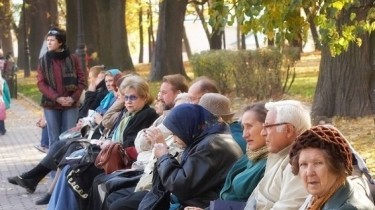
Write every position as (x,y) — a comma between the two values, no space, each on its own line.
(112,158)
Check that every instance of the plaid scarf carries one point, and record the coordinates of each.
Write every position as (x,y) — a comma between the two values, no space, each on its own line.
(69,73)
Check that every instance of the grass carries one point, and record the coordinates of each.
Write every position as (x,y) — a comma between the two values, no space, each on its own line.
(304,86)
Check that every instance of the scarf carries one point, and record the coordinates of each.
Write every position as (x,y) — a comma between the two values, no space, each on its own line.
(107,102)
(318,202)
(69,74)
(192,123)
(258,154)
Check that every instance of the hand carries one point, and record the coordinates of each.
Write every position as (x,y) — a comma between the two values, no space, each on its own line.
(160,150)
(97,118)
(192,208)
(154,135)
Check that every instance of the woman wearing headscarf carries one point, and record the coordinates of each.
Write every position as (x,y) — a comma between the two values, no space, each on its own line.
(61,81)
(322,158)
(209,153)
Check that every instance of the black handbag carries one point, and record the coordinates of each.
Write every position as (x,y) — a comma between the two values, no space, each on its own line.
(157,198)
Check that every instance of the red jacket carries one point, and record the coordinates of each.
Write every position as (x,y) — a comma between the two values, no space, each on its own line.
(60,91)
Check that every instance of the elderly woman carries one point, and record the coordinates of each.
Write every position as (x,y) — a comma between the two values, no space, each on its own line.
(322,158)
(138,115)
(209,153)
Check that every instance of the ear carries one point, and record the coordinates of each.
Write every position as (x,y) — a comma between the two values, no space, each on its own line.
(290,131)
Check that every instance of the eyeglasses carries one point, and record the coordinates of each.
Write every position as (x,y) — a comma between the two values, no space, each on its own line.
(131,98)
(53,32)
(273,125)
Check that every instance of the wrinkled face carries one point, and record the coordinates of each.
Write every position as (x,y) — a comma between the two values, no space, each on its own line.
(52,43)
(278,137)
(314,171)
(109,82)
(133,102)
(179,142)
(252,129)
(194,93)
(167,95)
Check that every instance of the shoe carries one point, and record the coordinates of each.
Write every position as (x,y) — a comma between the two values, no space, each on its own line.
(41,148)
(43,200)
(28,184)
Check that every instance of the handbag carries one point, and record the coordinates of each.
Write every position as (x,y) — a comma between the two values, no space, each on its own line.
(2,110)
(157,198)
(112,157)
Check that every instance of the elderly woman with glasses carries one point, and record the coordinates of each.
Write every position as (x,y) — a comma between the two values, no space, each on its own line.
(136,116)
(322,158)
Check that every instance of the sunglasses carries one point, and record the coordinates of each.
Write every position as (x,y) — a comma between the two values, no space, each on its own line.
(53,32)
(130,98)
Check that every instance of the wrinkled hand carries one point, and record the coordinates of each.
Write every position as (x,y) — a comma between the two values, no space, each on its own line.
(192,208)
(154,135)
(160,149)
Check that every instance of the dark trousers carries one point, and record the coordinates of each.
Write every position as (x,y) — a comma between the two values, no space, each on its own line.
(124,199)
(2,127)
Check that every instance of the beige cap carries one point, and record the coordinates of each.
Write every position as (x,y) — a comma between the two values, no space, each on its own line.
(217,104)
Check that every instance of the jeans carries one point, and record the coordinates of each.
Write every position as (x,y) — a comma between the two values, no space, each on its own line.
(44,140)
(59,121)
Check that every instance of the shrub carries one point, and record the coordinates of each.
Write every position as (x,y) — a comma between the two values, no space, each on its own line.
(250,73)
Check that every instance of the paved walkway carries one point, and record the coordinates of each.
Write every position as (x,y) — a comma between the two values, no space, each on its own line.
(18,155)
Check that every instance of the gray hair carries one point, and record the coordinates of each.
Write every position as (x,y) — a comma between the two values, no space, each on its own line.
(293,112)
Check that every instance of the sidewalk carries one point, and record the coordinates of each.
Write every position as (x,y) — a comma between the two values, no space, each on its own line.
(18,155)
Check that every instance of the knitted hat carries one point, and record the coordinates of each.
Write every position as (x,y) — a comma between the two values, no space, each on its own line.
(325,138)
(217,104)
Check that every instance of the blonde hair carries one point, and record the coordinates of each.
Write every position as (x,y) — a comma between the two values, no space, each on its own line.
(139,84)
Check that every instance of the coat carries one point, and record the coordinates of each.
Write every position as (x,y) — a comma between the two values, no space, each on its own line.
(200,177)
(348,197)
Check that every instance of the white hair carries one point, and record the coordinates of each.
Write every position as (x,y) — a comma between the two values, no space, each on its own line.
(291,111)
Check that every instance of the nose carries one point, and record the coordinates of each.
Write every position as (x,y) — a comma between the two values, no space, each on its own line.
(263,132)
(310,170)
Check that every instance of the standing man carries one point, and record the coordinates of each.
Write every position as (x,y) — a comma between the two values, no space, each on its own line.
(280,189)
(61,81)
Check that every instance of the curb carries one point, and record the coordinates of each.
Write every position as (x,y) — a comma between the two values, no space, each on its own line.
(31,102)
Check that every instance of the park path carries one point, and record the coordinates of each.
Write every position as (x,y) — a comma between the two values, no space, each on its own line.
(18,155)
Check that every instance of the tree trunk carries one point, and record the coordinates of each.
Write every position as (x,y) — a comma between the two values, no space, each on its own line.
(141,46)
(346,83)
(5,26)
(42,15)
(167,58)
(314,31)
(90,26)
(113,48)
(216,40)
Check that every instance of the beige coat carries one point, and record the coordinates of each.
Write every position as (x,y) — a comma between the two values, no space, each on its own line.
(279,189)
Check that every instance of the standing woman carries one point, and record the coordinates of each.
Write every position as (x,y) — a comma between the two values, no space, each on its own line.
(61,81)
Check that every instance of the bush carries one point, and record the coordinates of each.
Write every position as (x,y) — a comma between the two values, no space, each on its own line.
(250,73)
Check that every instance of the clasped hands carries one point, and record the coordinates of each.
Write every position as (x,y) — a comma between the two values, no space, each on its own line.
(65,101)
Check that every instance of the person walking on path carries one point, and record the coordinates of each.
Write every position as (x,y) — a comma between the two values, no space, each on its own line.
(4,103)
(61,81)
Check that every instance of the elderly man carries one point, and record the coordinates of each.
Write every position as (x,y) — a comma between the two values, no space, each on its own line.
(200,86)
(279,188)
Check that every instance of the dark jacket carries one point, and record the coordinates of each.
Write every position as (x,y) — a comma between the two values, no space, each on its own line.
(199,179)
(93,99)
